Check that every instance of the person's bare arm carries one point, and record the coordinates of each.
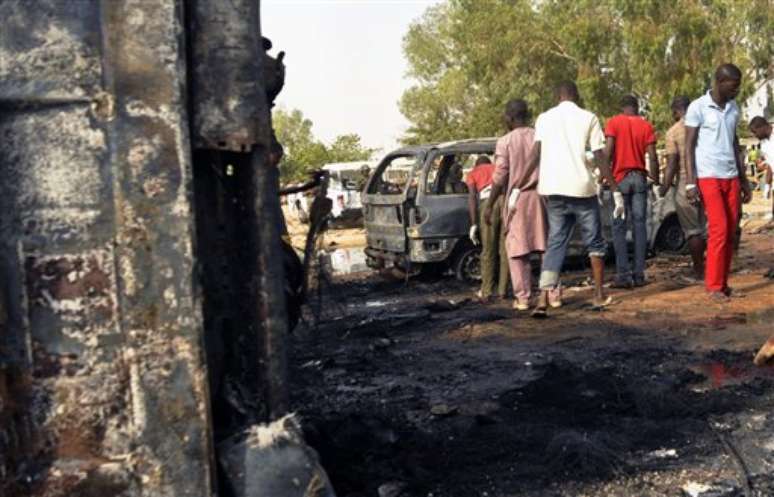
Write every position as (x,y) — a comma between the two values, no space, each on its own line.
(744,183)
(654,169)
(691,135)
(605,171)
(472,205)
(673,162)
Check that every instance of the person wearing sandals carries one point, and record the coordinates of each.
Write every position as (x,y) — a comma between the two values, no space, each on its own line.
(569,188)
(717,174)
(524,217)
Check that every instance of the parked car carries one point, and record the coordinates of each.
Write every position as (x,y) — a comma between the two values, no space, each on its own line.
(415,210)
(346,181)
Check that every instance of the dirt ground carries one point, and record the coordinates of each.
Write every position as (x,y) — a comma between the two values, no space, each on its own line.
(415,389)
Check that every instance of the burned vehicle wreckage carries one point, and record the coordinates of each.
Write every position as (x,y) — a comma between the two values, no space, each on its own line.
(415,207)
(143,314)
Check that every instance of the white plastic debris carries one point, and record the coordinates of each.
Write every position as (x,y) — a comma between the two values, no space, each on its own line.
(694,489)
(663,454)
(274,460)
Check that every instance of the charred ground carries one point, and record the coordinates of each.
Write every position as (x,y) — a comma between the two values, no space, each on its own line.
(419,390)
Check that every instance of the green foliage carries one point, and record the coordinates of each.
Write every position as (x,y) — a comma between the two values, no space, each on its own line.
(347,148)
(468,57)
(304,153)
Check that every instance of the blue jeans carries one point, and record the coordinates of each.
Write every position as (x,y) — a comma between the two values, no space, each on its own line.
(563,214)
(634,187)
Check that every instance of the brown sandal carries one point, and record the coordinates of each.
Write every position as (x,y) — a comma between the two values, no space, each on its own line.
(540,312)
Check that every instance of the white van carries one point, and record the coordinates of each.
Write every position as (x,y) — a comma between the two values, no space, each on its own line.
(344,187)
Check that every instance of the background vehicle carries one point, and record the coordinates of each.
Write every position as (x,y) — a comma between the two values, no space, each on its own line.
(346,181)
(415,210)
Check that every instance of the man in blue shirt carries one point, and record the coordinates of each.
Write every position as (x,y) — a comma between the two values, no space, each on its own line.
(716,172)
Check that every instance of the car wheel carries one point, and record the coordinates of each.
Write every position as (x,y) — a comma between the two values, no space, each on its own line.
(670,236)
(467,265)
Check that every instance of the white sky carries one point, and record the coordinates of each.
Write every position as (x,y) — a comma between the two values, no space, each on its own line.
(345,66)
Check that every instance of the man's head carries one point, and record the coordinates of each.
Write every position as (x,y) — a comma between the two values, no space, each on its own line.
(567,91)
(680,106)
(482,159)
(630,105)
(728,80)
(455,172)
(516,113)
(760,128)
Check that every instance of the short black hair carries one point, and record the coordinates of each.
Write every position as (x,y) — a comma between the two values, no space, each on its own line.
(758,121)
(482,159)
(630,101)
(727,71)
(681,102)
(517,110)
(567,89)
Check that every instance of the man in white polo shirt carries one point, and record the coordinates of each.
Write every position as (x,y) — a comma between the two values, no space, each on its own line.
(562,135)
(716,171)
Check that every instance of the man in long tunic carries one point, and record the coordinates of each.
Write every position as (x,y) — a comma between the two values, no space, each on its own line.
(524,217)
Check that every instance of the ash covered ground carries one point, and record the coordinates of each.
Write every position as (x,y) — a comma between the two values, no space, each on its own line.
(416,389)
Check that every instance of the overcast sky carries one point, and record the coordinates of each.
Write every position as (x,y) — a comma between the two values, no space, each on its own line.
(345,67)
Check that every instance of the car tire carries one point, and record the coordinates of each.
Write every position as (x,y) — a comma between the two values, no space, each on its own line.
(670,236)
(466,265)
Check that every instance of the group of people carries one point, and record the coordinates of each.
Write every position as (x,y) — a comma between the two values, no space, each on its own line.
(544,183)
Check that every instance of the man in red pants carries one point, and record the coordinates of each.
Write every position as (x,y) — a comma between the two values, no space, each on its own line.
(716,172)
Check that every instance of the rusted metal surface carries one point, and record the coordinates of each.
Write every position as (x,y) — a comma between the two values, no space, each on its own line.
(104,380)
(272,313)
(234,82)
(103,315)
(229,100)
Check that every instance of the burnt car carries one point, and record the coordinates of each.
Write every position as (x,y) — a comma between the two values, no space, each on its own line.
(415,211)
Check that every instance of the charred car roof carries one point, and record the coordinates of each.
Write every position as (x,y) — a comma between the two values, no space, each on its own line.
(470,145)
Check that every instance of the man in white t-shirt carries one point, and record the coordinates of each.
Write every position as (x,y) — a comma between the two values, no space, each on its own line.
(562,135)
(762,131)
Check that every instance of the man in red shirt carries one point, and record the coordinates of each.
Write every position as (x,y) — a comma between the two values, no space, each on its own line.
(629,138)
(494,260)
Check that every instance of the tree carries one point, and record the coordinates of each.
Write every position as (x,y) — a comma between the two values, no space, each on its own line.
(304,153)
(468,57)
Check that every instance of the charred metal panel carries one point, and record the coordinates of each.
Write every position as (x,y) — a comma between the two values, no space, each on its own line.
(96,251)
(238,215)
(229,100)
(49,50)
(160,311)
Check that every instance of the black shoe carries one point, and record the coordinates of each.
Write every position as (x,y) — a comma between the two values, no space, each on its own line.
(627,284)
(640,282)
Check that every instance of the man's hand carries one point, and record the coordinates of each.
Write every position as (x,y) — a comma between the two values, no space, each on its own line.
(474,234)
(655,187)
(662,190)
(692,194)
(619,211)
(746,192)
